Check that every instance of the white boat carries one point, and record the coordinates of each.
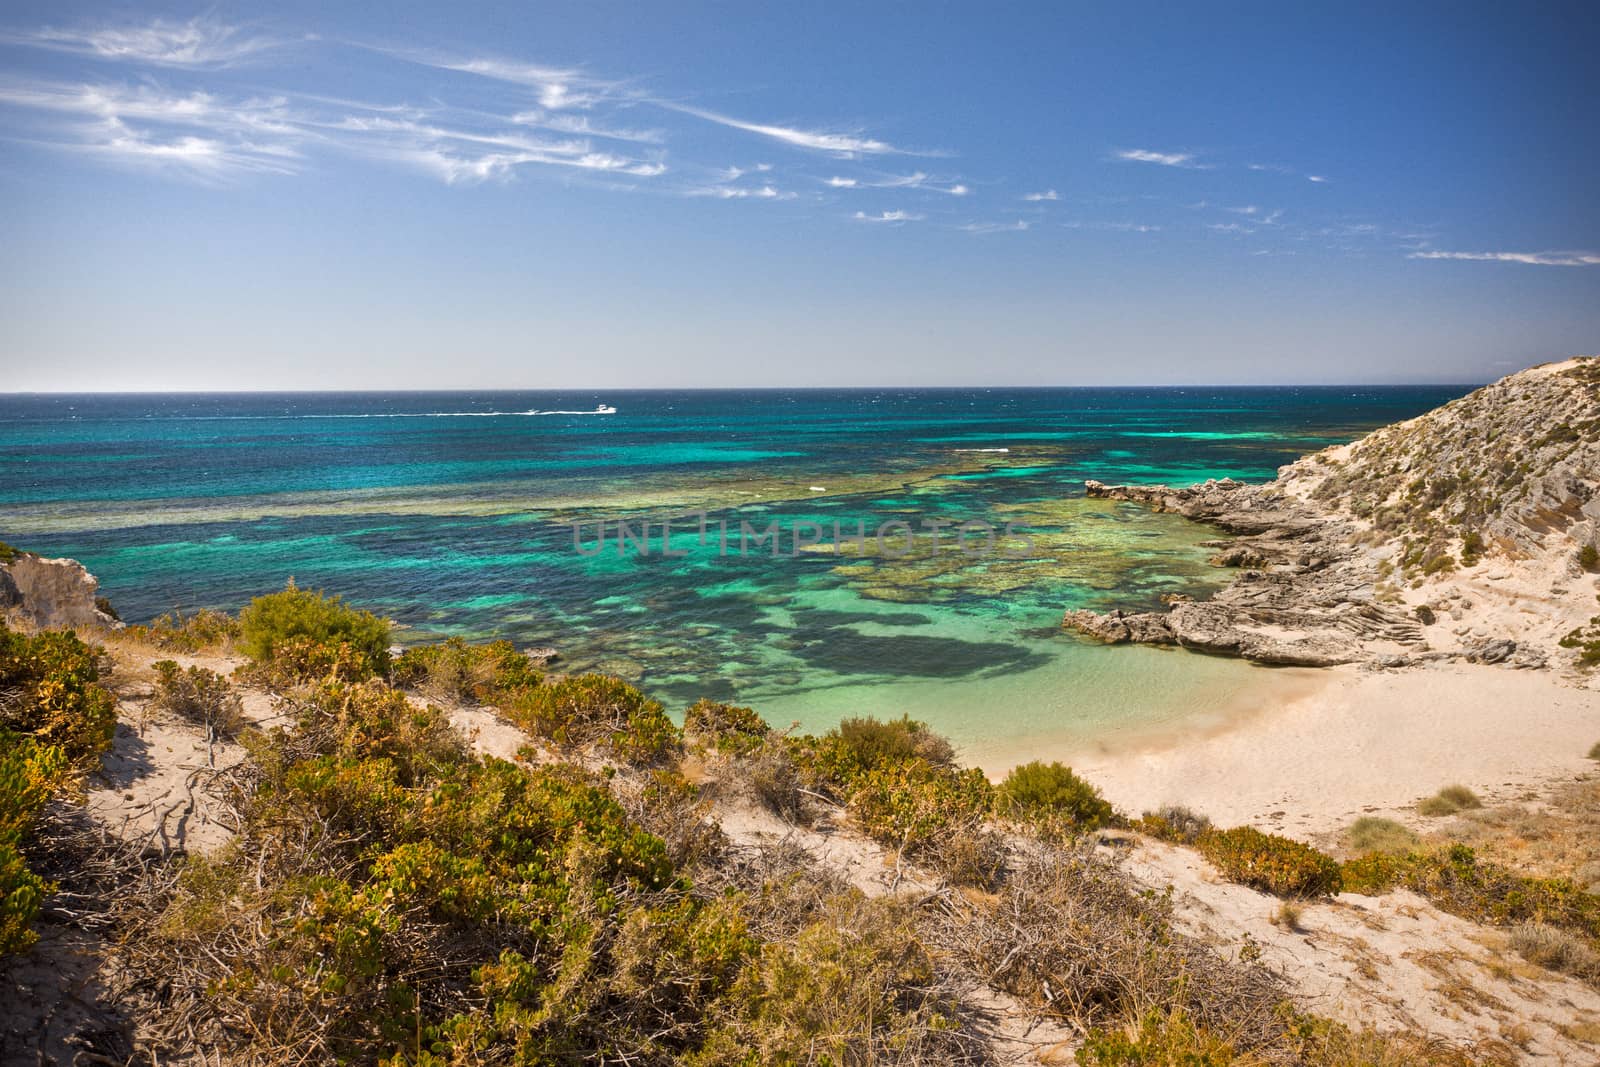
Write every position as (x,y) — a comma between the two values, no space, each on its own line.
(604,409)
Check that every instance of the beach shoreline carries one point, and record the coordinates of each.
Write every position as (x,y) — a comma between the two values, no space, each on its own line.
(1361,742)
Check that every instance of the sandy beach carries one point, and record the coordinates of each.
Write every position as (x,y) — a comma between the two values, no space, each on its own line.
(1364,742)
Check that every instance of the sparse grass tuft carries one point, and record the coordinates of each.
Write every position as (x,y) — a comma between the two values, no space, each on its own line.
(1448,801)
(1556,949)
(1370,834)
(1594,752)
(1287,916)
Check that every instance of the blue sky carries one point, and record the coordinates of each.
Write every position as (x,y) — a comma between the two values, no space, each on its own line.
(612,195)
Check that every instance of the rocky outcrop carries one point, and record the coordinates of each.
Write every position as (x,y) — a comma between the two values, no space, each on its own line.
(1329,551)
(50,593)
(1306,597)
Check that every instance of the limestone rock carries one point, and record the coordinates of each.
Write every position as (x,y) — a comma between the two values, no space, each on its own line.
(51,593)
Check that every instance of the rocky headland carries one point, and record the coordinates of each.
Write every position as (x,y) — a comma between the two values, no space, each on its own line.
(1466,533)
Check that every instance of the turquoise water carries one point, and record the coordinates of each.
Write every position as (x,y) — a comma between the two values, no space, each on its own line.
(452,514)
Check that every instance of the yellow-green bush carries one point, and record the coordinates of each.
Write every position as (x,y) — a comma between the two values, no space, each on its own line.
(55,699)
(486,673)
(199,695)
(302,635)
(1051,796)
(54,723)
(728,728)
(177,632)
(859,745)
(595,709)
(1458,882)
(1277,865)
(29,774)
(854,986)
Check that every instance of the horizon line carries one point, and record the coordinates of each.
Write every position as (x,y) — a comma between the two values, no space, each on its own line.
(736,389)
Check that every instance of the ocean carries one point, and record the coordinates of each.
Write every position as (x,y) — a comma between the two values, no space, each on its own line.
(482,514)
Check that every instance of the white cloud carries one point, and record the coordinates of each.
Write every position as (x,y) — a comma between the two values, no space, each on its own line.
(996,227)
(1165,159)
(582,125)
(1315,178)
(727,192)
(199,42)
(1538,259)
(1048,194)
(840,144)
(888,216)
(1125,227)
(843,183)
(196,132)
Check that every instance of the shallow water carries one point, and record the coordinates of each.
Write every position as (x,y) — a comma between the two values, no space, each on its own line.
(461,525)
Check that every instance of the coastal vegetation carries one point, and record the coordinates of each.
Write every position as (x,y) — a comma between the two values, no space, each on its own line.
(55,720)
(1448,801)
(389,894)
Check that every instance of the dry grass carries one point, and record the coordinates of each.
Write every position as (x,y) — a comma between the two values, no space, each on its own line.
(1558,838)
(1372,834)
(1557,950)
(1448,801)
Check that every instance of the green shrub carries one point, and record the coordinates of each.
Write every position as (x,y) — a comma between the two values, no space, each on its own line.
(854,986)
(726,727)
(1448,801)
(1457,882)
(177,632)
(1588,557)
(29,774)
(9,554)
(54,694)
(1277,865)
(199,695)
(1175,823)
(910,804)
(1158,1039)
(594,709)
(1050,792)
(1371,834)
(1594,752)
(452,669)
(1586,640)
(302,635)
(544,924)
(841,757)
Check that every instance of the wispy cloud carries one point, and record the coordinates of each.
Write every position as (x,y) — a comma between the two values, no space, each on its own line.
(919,180)
(888,216)
(1315,178)
(1123,227)
(556,88)
(1164,159)
(837,182)
(1538,259)
(996,227)
(1048,194)
(584,126)
(729,192)
(196,132)
(844,145)
(200,42)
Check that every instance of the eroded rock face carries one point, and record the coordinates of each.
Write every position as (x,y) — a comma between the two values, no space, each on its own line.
(51,593)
